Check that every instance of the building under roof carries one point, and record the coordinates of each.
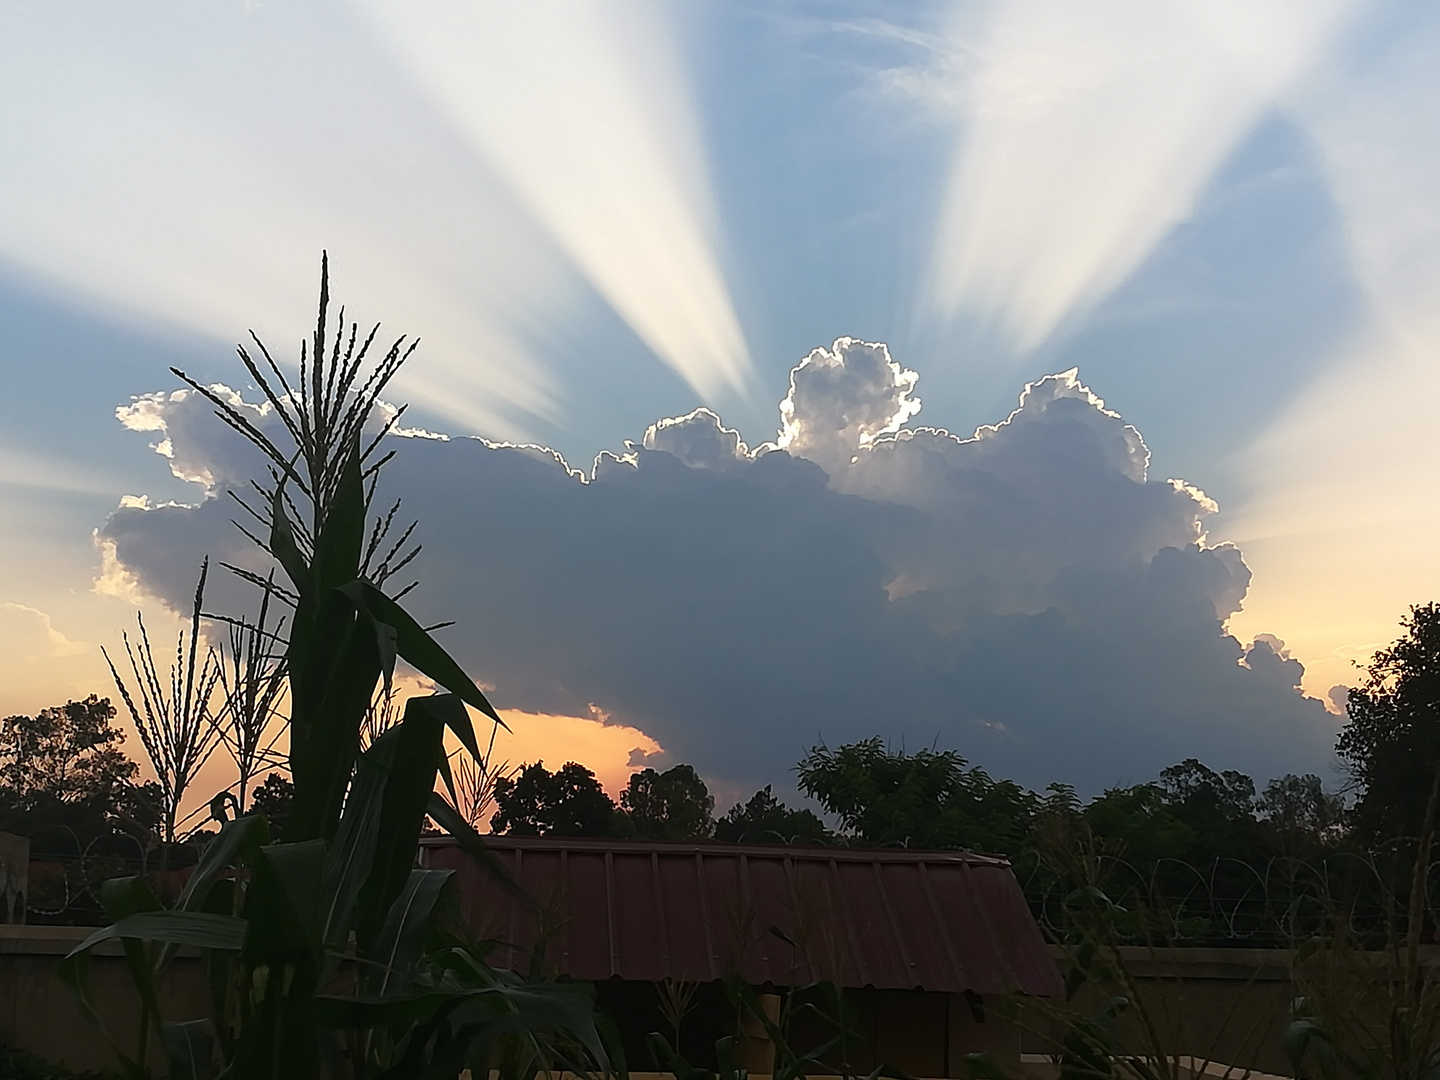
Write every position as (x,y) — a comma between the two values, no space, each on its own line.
(778,916)
(919,941)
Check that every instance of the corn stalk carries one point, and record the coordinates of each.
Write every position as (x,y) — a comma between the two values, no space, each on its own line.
(174,717)
(252,682)
(325,952)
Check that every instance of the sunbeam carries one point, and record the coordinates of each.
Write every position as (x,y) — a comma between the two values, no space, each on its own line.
(1088,131)
(605,152)
(149,176)
(614,224)
(1350,467)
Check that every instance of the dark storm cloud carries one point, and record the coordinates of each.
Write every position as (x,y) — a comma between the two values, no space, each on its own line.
(1027,595)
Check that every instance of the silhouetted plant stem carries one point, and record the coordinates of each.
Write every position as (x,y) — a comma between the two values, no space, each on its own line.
(175,723)
(252,680)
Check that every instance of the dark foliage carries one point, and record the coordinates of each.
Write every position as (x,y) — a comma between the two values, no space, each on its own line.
(1231,866)
(1301,815)
(70,753)
(537,802)
(18,1065)
(929,799)
(673,805)
(1218,808)
(273,798)
(66,783)
(1391,740)
(764,819)
(1141,823)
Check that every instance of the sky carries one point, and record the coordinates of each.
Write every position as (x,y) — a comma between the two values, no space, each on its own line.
(1048,380)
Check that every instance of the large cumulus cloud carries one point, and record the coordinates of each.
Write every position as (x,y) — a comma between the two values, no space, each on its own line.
(1026,594)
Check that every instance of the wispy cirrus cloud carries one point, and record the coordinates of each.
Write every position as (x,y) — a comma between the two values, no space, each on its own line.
(45,664)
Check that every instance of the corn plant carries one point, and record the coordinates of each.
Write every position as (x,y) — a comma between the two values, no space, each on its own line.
(174,718)
(324,948)
(381,716)
(677,1001)
(473,790)
(252,683)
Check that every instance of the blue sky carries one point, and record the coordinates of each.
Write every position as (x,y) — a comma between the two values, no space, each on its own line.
(596,216)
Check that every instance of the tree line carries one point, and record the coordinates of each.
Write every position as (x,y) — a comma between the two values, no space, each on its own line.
(66,782)
(880,796)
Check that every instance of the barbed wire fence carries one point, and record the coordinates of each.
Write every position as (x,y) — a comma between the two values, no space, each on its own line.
(1233,902)
(66,872)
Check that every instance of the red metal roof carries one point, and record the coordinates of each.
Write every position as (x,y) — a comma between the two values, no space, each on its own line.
(892,919)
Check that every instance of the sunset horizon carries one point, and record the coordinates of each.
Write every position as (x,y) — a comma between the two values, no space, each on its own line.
(1163,280)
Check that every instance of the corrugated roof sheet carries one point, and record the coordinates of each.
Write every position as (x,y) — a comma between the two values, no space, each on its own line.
(948,921)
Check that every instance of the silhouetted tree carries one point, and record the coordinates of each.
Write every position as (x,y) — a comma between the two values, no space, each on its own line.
(1139,824)
(673,805)
(537,802)
(1227,796)
(69,752)
(273,799)
(1219,808)
(1391,739)
(66,784)
(64,779)
(766,820)
(1299,813)
(927,799)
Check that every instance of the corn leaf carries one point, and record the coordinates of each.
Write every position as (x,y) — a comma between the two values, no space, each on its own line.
(283,904)
(236,839)
(202,929)
(424,653)
(402,936)
(75,973)
(350,856)
(190,1046)
(341,537)
(282,542)
(418,745)
(331,693)
(473,845)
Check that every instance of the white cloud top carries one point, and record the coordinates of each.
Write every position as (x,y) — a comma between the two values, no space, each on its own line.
(842,399)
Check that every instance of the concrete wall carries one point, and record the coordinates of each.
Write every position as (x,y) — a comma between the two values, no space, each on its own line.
(1225,1005)
(1213,1005)
(1228,1005)
(39,1013)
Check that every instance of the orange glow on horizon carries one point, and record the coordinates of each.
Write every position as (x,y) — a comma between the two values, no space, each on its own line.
(600,744)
